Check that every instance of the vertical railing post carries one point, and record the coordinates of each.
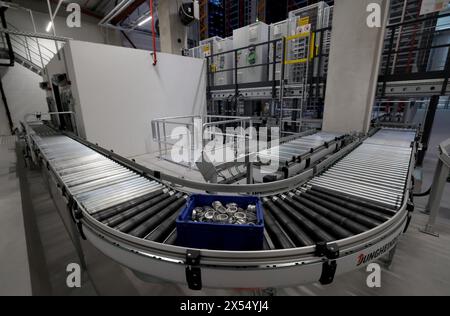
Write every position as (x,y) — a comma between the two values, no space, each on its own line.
(165,138)
(208,85)
(159,139)
(274,70)
(37,41)
(320,63)
(282,81)
(388,61)
(269,39)
(236,84)
(190,145)
(27,50)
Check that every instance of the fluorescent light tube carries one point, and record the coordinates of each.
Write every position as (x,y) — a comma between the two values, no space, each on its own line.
(145,21)
(49,27)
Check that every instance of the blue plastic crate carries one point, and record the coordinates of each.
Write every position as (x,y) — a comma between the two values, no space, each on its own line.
(215,236)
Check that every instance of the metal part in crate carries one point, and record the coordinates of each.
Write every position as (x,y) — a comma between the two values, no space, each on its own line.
(204,235)
(312,232)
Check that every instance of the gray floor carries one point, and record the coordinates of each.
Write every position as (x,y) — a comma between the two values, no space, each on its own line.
(420,266)
(15,272)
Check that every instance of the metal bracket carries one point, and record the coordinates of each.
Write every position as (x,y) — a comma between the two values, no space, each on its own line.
(410,209)
(64,192)
(193,272)
(78,216)
(331,251)
(328,272)
(308,163)
(70,206)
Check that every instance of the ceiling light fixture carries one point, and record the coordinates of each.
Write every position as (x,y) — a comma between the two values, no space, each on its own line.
(49,27)
(145,21)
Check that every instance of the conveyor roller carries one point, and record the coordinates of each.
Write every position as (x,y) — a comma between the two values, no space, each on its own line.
(377,171)
(357,204)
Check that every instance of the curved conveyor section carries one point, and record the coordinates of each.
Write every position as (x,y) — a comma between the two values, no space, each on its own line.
(346,217)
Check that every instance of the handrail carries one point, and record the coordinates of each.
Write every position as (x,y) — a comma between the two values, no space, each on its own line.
(31,38)
(28,47)
(29,58)
(418,67)
(13,38)
(424,19)
(36,35)
(38,44)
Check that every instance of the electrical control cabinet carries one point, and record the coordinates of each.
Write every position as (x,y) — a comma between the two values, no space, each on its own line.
(207,46)
(303,40)
(253,55)
(277,31)
(223,62)
(194,52)
(312,15)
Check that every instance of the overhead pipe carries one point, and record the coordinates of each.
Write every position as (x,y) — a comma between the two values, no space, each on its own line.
(115,11)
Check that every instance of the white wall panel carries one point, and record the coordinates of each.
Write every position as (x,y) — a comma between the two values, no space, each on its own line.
(118,92)
(22,94)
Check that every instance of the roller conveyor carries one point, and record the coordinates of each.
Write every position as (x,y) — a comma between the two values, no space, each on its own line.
(376,171)
(131,218)
(108,191)
(318,219)
(95,181)
(290,151)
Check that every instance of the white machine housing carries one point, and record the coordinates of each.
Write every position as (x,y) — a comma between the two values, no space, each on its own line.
(310,18)
(314,13)
(207,46)
(251,35)
(223,62)
(195,52)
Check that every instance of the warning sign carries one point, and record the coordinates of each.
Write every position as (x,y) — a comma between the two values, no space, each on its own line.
(303,21)
(207,50)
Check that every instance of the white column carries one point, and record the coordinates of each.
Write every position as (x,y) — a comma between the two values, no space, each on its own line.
(354,64)
(172,32)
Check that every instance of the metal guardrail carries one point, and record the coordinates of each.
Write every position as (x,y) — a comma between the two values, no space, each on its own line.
(162,128)
(28,48)
(409,52)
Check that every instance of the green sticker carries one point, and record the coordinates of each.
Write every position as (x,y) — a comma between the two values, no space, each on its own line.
(252,58)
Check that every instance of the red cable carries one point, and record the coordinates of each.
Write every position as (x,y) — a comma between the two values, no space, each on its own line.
(155,59)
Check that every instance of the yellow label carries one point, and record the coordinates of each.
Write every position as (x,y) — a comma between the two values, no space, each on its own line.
(206,48)
(312,50)
(303,21)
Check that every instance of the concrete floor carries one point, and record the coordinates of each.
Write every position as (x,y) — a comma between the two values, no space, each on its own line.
(15,271)
(38,266)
